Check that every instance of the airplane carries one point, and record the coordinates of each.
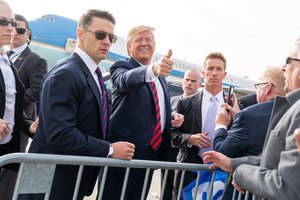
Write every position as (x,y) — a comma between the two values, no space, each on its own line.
(54,38)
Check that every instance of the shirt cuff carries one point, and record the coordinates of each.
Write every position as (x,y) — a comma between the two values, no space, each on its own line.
(221,126)
(150,77)
(111,150)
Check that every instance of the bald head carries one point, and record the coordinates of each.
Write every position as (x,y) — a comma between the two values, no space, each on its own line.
(191,82)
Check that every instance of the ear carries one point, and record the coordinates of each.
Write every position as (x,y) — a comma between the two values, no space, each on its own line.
(80,33)
(269,89)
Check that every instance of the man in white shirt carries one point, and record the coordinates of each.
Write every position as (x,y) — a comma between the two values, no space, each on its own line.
(196,134)
(12,120)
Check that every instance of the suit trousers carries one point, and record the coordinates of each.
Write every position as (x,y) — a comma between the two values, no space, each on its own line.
(7,183)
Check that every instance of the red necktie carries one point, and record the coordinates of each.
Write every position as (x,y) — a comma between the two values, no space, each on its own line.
(157,135)
(104,102)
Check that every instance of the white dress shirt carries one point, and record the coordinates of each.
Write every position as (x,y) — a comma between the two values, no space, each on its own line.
(10,96)
(205,103)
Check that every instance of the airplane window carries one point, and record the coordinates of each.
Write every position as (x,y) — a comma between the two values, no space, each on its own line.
(48,18)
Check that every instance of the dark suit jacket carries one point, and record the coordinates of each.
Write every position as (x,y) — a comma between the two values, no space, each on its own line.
(133,119)
(31,70)
(22,123)
(133,110)
(247,100)
(191,108)
(246,136)
(70,123)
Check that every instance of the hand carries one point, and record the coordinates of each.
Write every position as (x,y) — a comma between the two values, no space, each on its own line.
(164,66)
(123,150)
(200,140)
(218,159)
(238,188)
(297,138)
(223,117)
(177,120)
(33,126)
(233,109)
(4,128)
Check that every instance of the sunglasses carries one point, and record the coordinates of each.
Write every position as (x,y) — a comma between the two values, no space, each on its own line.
(101,35)
(289,60)
(21,31)
(5,22)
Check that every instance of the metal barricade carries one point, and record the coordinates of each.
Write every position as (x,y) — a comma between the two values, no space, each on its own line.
(36,172)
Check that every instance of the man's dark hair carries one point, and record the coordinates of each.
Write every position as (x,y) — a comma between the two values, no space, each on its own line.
(87,17)
(21,18)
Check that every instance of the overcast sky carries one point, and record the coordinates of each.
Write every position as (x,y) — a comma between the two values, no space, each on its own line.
(252,34)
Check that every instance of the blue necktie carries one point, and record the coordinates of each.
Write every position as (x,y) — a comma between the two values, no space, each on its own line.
(104,101)
(210,123)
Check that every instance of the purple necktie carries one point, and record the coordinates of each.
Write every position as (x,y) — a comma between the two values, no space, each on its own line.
(210,123)
(157,135)
(104,101)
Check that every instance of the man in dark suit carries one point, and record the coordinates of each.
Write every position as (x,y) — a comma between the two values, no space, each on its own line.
(247,100)
(74,115)
(247,134)
(275,173)
(141,111)
(192,138)
(191,82)
(12,120)
(31,69)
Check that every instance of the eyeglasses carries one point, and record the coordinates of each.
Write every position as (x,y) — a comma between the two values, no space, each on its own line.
(101,35)
(289,60)
(21,31)
(264,83)
(5,22)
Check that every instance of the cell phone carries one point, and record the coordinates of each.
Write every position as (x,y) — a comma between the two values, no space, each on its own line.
(230,96)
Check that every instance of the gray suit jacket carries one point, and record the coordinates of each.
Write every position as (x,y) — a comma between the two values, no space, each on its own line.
(174,101)
(275,175)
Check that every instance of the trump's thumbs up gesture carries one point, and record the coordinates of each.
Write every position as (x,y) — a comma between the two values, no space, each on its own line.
(164,66)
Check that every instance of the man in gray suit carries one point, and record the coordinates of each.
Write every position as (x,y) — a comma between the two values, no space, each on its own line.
(274,174)
(297,138)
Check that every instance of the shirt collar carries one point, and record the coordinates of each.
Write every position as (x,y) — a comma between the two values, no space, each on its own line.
(19,49)
(90,63)
(207,95)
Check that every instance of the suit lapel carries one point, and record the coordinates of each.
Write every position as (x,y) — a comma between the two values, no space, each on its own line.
(18,62)
(90,80)
(280,106)
(2,88)
(196,106)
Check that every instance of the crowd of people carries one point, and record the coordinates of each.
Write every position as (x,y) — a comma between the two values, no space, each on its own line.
(255,138)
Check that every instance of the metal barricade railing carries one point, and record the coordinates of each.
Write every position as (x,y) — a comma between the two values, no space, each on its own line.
(37,171)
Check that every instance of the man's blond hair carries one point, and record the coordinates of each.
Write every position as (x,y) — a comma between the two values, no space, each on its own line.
(275,75)
(137,29)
